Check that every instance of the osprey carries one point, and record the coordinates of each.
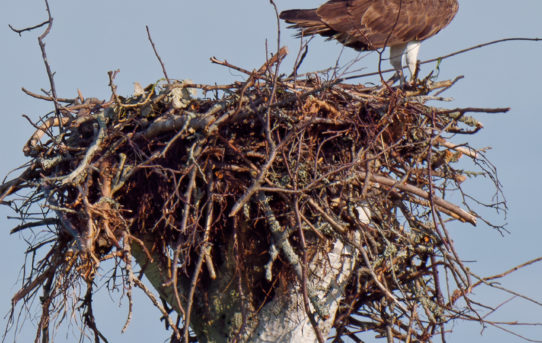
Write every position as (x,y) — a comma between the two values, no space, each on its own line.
(374,24)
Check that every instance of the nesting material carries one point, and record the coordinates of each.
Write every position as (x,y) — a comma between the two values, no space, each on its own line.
(180,171)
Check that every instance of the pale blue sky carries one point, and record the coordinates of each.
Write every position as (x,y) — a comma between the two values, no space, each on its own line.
(91,37)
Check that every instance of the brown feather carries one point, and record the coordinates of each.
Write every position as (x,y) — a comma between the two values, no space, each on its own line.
(373,24)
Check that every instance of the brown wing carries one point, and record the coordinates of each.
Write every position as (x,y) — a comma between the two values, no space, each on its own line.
(372,24)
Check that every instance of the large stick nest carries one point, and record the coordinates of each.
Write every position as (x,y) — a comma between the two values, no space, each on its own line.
(183,176)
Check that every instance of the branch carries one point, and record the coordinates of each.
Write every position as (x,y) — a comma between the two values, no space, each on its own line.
(514,269)
(157,274)
(46,98)
(44,56)
(156,53)
(259,179)
(28,28)
(474,109)
(462,214)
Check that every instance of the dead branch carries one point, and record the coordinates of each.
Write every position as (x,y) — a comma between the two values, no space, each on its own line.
(46,62)
(157,55)
(30,28)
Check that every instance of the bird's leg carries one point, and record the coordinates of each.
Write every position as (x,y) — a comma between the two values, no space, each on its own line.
(412,49)
(396,60)
(398,75)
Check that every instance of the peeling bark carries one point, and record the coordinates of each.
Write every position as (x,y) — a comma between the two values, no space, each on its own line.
(282,319)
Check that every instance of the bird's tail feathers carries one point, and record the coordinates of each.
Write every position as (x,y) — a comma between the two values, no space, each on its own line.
(306,21)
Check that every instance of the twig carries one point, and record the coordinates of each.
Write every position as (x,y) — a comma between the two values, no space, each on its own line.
(47,66)
(29,287)
(260,178)
(20,31)
(46,221)
(231,66)
(376,279)
(462,149)
(453,82)
(509,271)
(474,109)
(12,186)
(326,216)
(46,98)
(157,304)
(275,59)
(302,54)
(462,214)
(157,55)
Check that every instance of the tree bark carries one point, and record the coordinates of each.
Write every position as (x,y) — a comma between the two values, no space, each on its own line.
(218,310)
(284,318)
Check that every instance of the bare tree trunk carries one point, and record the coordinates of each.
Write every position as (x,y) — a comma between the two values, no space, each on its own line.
(218,310)
(284,319)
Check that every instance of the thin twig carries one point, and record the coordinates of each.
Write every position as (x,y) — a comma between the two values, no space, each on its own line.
(20,31)
(46,62)
(260,178)
(46,98)
(157,55)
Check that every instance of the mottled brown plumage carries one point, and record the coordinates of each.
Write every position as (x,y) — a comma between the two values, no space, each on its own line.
(374,24)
